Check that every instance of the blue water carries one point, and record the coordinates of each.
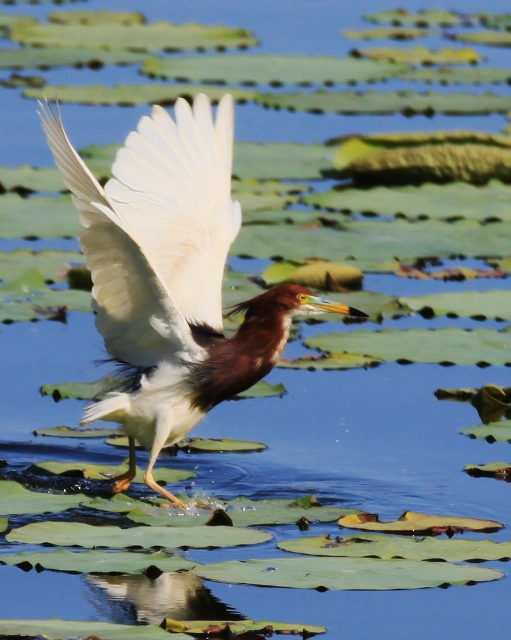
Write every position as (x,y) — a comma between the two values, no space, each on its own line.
(376,440)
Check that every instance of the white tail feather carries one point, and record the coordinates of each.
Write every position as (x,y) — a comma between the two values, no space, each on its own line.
(111,409)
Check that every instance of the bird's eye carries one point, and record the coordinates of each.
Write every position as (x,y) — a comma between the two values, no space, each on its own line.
(301,297)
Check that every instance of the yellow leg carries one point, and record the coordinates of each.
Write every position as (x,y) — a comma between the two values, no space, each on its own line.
(152,484)
(123,482)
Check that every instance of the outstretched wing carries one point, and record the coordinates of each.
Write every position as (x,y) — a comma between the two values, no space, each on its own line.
(156,238)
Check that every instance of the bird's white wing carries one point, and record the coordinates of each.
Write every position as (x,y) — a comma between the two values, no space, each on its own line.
(172,187)
(136,313)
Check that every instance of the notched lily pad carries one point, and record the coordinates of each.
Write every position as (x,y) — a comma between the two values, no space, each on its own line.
(104,472)
(206,445)
(96,17)
(69,534)
(492,432)
(15,499)
(448,345)
(232,629)
(64,629)
(97,562)
(331,362)
(420,55)
(393,33)
(69,432)
(491,38)
(481,305)
(52,57)
(419,524)
(458,75)
(81,390)
(498,470)
(344,573)
(424,18)
(320,274)
(395,547)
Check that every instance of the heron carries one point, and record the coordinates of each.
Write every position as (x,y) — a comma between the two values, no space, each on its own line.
(156,239)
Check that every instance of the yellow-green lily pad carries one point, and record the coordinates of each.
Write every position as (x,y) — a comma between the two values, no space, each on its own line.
(69,432)
(424,18)
(498,470)
(65,629)
(241,628)
(493,432)
(15,500)
(420,55)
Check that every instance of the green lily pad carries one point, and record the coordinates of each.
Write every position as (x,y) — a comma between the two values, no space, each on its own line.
(499,470)
(25,178)
(424,18)
(270,69)
(252,160)
(263,389)
(41,216)
(140,37)
(4,524)
(420,55)
(69,534)
(129,95)
(192,445)
(407,102)
(262,202)
(394,33)
(429,201)
(8,20)
(68,432)
(15,499)
(339,239)
(50,58)
(52,264)
(480,305)
(82,390)
(389,548)
(492,38)
(105,472)
(495,20)
(117,503)
(241,628)
(320,274)
(64,629)
(446,75)
(98,561)
(493,432)
(344,573)
(331,362)
(262,187)
(419,524)
(97,17)
(448,345)
(243,513)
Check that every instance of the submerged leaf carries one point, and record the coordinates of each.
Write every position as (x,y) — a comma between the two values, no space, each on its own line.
(498,470)
(409,548)
(448,345)
(420,55)
(69,534)
(344,573)
(419,523)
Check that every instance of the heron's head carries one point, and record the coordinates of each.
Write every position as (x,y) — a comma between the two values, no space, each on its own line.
(295,300)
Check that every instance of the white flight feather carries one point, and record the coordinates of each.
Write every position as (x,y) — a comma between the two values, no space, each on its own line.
(156,238)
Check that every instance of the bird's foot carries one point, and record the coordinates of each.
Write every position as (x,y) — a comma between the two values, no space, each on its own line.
(122,484)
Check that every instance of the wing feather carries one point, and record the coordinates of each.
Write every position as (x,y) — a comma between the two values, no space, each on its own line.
(136,314)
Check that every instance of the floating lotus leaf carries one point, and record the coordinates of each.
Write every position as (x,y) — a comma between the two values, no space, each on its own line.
(344,573)
(96,17)
(420,55)
(492,38)
(252,160)
(498,470)
(331,362)
(241,628)
(243,513)
(140,37)
(81,390)
(394,33)
(8,20)
(4,524)
(407,102)
(424,18)
(271,69)
(448,345)
(445,75)
(28,298)
(192,445)
(132,94)
(480,305)
(493,432)
(64,629)
(259,187)
(25,178)
(105,472)
(41,216)
(98,561)
(49,58)
(491,401)
(77,534)
(68,432)
(52,264)
(377,241)
(419,524)
(263,389)
(389,548)
(449,202)
(321,274)
(457,274)
(15,499)
(260,202)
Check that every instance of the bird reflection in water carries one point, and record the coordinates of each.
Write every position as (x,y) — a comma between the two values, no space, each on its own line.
(180,596)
